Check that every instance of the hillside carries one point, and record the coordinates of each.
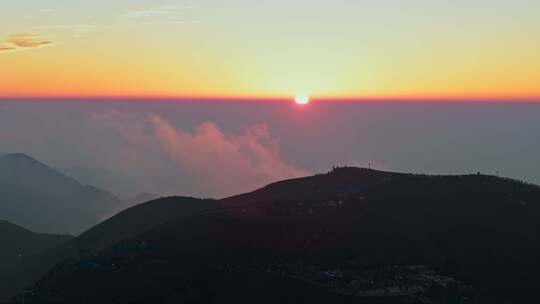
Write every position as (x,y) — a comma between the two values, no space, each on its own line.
(18,243)
(479,230)
(132,222)
(124,225)
(41,199)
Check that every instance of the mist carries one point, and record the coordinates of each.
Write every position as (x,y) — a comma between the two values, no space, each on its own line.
(215,149)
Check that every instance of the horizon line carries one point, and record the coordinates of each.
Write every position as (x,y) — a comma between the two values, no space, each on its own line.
(244,98)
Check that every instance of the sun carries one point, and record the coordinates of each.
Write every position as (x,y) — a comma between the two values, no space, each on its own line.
(301,99)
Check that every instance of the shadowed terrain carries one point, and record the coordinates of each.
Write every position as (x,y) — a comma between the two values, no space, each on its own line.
(122,226)
(481,230)
(17,243)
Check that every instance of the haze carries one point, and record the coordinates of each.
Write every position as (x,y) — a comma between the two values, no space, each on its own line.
(214,149)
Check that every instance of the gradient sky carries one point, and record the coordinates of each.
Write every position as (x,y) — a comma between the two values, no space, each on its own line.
(216,48)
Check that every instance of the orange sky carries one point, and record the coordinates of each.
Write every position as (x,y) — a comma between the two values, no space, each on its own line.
(470,49)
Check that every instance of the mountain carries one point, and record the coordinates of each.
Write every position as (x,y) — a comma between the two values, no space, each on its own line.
(42,199)
(352,235)
(118,183)
(17,243)
(124,184)
(124,225)
(130,223)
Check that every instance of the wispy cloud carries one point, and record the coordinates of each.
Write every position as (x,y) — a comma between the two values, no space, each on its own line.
(76,30)
(47,10)
(164,22)
(158,11)
(160,15)
(6,47)
(29,40)
(26,40)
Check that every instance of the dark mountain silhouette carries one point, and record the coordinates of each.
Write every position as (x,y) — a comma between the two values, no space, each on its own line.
(132,222)
(38,197)
(124,225)
(481,230)
(17,243)
(131,202)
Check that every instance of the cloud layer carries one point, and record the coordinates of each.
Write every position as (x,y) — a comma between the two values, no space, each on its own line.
(122,149)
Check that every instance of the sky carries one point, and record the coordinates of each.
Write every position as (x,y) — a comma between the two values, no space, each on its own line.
(216,149)
(195,97)
(462,49)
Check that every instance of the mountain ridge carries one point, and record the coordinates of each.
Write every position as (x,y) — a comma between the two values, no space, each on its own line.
(461,225)
(38,197)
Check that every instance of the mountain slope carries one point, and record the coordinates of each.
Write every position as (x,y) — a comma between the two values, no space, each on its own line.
(132,222)
(17,243)
(38,197)
(483,230)
(124,225)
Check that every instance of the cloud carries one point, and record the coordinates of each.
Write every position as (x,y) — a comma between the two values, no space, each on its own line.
(161,15)
(148,13)
(26,40)
(158,11)
(29,40)
(6,47)
(229,163)
(165,23)
(205,160)
(76,30)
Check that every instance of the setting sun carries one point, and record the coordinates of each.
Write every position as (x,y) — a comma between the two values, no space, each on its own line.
(301,100)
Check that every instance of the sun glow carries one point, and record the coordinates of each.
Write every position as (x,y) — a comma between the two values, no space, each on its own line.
(301,100)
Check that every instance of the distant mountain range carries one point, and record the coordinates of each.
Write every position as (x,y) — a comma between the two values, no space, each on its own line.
(343,237)
(40,198)
(118,183)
